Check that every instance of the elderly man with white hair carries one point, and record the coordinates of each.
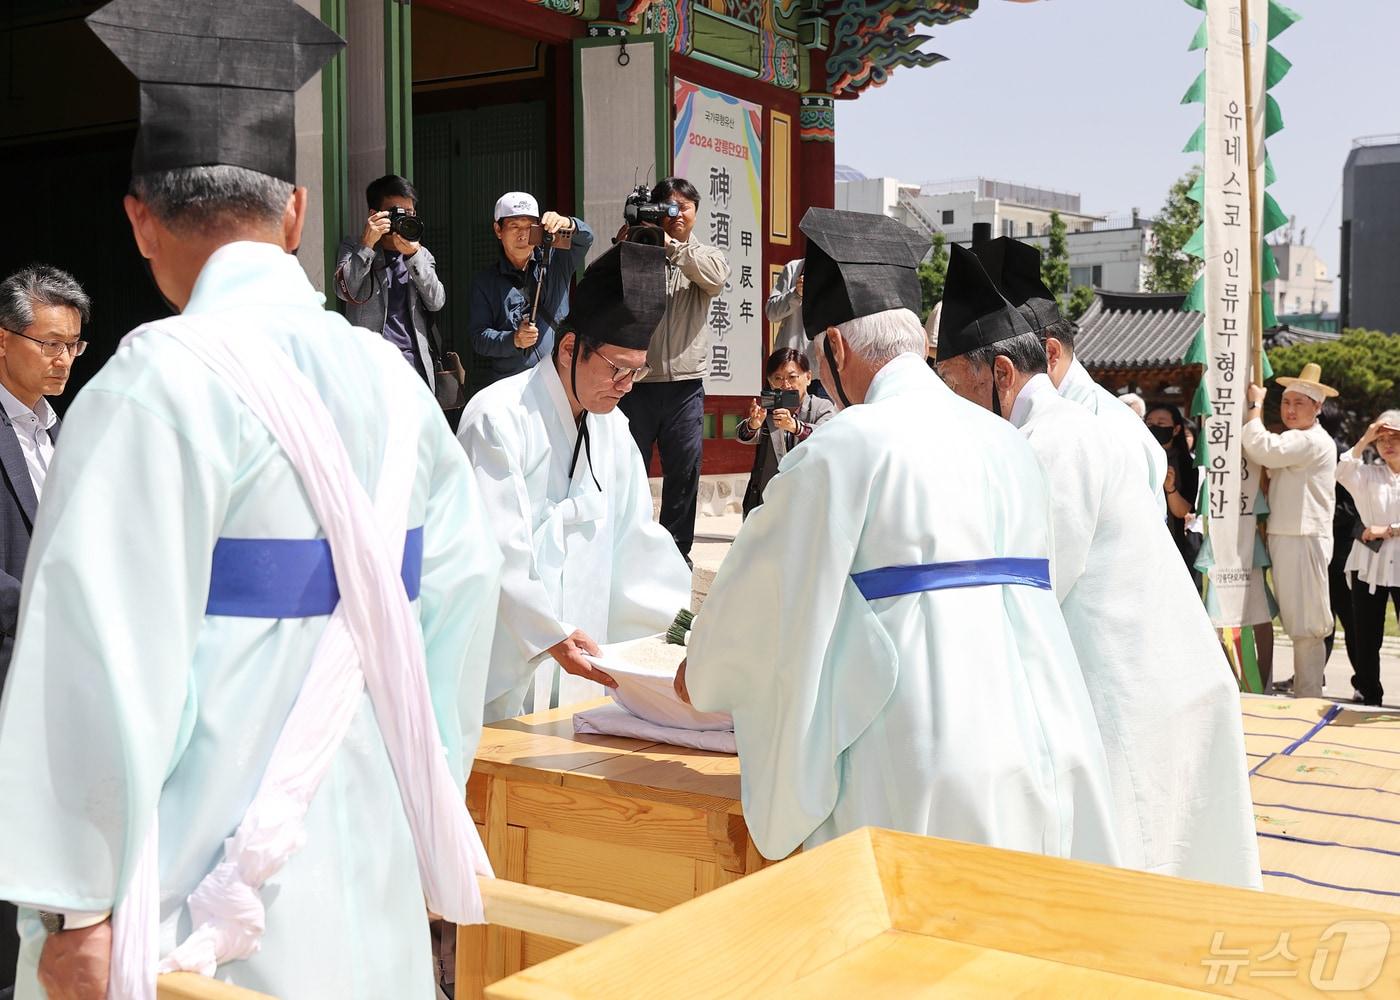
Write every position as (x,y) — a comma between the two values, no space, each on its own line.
(912,671)
(1302,464)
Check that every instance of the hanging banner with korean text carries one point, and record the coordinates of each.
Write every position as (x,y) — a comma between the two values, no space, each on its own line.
(1228,486)
(719,149)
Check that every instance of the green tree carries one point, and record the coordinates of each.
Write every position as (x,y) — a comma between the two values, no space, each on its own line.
(933,273)
(1364,368)
(1171,270)
(1078,302)
(1054,263)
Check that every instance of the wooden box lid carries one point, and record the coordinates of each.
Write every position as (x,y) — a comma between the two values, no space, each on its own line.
(882,914)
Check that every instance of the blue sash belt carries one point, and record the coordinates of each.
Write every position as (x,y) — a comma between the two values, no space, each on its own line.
(894,581)
(288,577)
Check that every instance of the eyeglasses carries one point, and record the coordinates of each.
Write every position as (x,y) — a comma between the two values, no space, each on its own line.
(620,375)
(53,348)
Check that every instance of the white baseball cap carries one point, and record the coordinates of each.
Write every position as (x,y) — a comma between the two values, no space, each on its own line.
(516,203)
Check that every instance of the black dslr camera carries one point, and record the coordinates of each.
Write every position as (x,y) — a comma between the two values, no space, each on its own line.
(644,217)
(406,225)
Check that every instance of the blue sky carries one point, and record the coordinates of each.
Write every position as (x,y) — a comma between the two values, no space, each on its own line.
(1083,95)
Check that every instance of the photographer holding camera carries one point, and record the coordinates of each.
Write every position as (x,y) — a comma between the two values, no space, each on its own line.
(388,279)
(780,421)
(667,409)
(518,301)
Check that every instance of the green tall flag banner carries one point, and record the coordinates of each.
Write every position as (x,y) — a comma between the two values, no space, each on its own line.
(1238,213)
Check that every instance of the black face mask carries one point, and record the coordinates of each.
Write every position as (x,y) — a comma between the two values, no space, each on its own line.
(1163,435)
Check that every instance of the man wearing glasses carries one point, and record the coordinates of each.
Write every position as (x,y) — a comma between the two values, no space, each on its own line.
(568,495)
(42,311)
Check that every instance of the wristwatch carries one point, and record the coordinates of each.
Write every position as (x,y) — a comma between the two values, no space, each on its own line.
(53,922)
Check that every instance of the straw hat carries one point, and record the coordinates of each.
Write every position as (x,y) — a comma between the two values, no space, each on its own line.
(1309,383)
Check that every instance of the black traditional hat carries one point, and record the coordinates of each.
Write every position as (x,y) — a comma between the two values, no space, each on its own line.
(218,80)
(1015,267)
(975,314)
(857,265)
(621,297)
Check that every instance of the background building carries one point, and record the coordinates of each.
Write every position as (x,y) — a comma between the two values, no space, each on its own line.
(576,101)
(1370,260)
(1110,256)
(1303,293)
(953,207)
(1105,252)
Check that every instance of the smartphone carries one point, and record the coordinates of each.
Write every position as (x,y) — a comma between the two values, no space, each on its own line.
(559,241)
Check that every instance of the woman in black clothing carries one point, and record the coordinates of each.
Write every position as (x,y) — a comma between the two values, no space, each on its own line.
(1169,427)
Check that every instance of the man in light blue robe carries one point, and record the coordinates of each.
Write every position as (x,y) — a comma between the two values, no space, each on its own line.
(152,675)
(1163,694)
(568,495)
(913,671)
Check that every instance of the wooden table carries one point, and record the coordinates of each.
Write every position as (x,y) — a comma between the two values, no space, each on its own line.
(626,821)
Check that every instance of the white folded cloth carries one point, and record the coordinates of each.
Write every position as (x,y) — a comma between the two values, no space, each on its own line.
(645,671)
(614,720)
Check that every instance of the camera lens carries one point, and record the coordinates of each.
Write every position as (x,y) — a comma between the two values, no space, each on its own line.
(410,227)
(647,236)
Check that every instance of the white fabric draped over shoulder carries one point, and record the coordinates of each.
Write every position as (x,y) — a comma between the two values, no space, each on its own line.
(957,713)
(173,704)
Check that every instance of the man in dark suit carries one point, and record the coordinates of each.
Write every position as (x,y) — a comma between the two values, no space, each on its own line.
(42,311)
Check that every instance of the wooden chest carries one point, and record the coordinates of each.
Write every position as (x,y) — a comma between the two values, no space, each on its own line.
(642,824)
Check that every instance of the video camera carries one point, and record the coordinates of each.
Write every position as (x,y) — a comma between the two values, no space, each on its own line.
(405,224)
(639,209)
(644,217)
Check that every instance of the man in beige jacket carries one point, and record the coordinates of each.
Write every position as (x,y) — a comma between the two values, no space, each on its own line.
(1302,464)
(666,407)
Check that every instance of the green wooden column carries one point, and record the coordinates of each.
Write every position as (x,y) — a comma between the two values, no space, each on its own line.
(398,87)
(334,157)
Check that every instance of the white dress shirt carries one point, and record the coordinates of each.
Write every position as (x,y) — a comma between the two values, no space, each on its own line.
(32,429)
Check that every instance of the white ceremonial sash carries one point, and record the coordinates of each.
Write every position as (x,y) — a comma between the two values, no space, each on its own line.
(372,641)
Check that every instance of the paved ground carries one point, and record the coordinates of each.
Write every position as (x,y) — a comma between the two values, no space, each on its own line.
(1338,676)
(714,533)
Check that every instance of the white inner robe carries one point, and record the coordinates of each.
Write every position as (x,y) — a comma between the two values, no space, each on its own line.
(576,556)
(1145,456)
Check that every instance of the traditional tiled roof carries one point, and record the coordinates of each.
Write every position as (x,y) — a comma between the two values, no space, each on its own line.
(1148,330)
(1135,330)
